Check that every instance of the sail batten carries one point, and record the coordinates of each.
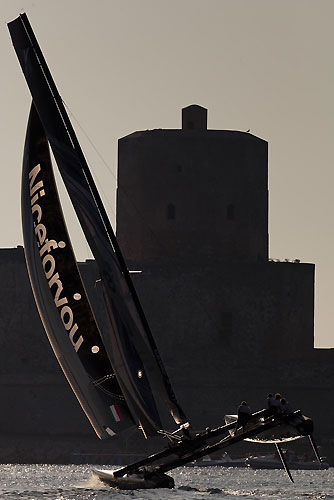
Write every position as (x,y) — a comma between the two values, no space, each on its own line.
(127,338)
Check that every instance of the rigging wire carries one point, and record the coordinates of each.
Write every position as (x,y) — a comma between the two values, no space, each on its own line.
(98,154)
(129,200)
(134,206)
(122,190)
(56,94)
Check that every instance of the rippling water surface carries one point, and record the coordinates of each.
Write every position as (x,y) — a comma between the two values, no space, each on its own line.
(71,482)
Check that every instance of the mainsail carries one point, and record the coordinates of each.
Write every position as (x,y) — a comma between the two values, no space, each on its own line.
(128,345)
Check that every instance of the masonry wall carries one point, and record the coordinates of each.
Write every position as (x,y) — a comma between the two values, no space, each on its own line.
(192,195)
(217,333)
(227,326)
(36,399)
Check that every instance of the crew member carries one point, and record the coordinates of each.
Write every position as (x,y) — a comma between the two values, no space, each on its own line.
(285,407)
(270,399)
(276,404)
(244,414)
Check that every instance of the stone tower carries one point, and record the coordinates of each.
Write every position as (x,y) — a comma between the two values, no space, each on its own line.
(193,194)
(193,202)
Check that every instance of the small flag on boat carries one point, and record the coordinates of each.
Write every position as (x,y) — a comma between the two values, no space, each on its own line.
(116,412)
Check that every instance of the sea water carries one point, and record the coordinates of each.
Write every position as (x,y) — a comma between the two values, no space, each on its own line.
(77,482)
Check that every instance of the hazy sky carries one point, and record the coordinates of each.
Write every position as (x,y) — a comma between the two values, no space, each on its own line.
(126,65)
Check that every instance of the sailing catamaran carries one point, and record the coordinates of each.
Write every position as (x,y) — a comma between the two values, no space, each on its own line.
(115,371)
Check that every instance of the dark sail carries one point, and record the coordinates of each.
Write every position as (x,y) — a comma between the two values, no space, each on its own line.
(128,341)
(59,292)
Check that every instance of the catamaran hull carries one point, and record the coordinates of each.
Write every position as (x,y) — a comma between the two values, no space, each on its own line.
(145,480)
(297,427)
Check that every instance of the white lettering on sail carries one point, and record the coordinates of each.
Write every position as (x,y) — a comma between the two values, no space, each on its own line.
(55,280)
(49,245)
(40,231)
(48,261)
(37,208)
(35,198)
(32,176)
(67,317)
(78,343)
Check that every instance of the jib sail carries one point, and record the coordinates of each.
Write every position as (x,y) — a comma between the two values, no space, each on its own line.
(59,292)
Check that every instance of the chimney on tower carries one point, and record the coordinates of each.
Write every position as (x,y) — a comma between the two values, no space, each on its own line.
(194,117)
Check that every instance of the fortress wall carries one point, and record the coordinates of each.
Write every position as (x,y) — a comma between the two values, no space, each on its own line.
(210,325)
(230,328)
(36,398)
